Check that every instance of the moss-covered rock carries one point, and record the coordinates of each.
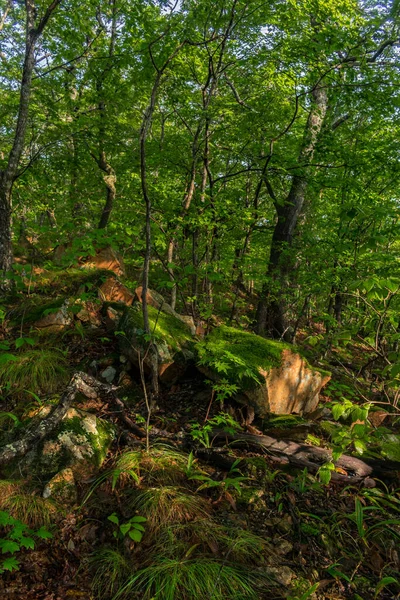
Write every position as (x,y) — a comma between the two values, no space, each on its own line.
(171,336)
(62,487)
(270,376)
(81,438)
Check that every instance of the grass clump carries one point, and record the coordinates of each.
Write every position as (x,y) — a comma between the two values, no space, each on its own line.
(111,570)
(161,465)
(194,579)
(26,506)
(36,369)
(165,506)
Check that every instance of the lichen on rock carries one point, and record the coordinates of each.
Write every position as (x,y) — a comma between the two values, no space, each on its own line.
(80,438)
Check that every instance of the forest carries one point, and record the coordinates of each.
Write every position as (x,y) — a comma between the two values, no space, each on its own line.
(199,299)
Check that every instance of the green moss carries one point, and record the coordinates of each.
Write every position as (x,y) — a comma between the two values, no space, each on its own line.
(166,327)
(256,351)
(97,443)
(69,281)
(238,355)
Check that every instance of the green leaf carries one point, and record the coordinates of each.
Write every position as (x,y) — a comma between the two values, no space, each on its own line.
(138,519)
(135,535)
(113,518)
(10,564)
(44,534)
(384,582)
(8,546)
(7,357)
(27,542)
(125,528)
(5,518)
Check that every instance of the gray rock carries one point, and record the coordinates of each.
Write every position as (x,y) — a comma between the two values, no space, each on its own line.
(109,374)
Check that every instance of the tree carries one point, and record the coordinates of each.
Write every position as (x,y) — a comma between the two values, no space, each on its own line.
(34,27)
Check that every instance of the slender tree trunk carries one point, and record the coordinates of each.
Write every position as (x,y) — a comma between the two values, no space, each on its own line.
(9,174)
(144,131)
(109,177)
(271,311)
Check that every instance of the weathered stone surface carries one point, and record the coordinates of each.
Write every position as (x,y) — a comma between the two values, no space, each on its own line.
(106,258)
(89,314)
(113,290)
(55,321)
(109,374)
(155,300)
(281,574)
(62,487)
(81,438)
(270,376)
(172,339)
(293,387)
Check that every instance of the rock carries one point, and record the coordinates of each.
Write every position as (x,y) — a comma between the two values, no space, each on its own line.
(55,320)
(89,314)
(281,574)
(112,290)
(106,258)
(62,487)
(82,439)
(172,339)
(109,374)
(157,301)
(283,547)
(271,376)
(189,321)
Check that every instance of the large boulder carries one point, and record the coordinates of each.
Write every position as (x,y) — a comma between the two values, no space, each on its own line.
(270,376)
(172,339)
(108,259)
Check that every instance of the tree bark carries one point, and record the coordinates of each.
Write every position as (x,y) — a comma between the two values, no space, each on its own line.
(144,130)
(109,176)
(10,173)
(271,311)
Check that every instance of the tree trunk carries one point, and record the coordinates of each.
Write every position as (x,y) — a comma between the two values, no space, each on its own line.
(10,173)
(271,311)
(109,176)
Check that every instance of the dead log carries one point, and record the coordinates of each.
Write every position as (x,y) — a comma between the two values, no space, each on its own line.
(80,383)
(300,455)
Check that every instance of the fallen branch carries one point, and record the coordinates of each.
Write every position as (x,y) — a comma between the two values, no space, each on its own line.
(301,455)
(80,383)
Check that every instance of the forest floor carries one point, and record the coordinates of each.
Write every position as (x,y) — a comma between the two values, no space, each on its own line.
(193,516)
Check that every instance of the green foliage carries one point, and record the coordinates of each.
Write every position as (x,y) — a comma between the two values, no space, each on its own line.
(232,482)
(222,421)
(238,355)
(15,535)
(133,527)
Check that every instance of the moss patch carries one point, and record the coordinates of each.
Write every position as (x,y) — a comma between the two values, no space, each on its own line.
(239,355)
(166,327)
